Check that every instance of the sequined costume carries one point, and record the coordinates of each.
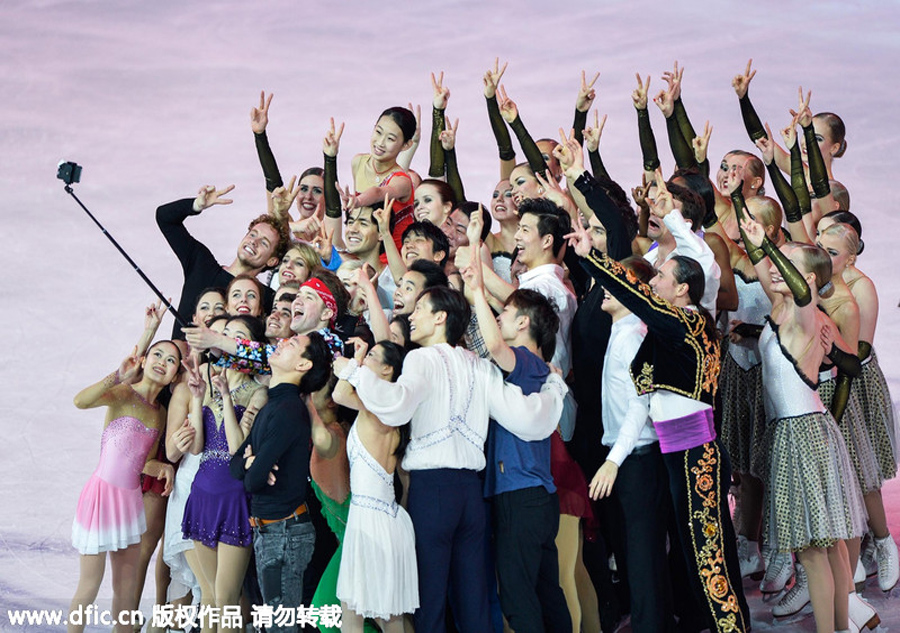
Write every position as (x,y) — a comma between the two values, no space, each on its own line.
(217,510)
(110,513)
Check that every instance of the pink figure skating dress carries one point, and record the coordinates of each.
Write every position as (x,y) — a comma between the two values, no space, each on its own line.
(110,513)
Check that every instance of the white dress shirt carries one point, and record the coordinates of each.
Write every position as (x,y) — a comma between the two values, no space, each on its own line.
(448,394)
(547,279)
(626,415)
(691,245)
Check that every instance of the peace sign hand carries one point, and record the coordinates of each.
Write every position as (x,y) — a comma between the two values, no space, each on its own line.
(283,198)
(209,196)
(789,133)
(803,113)
(448,136)
(586,94)
(332,140)
(741,83)
(766,145)
(492,78)
(569,153)
(441,92)
(259,117)
(701,143)
(508,109)
(639,94)
(154,314)
(592,133)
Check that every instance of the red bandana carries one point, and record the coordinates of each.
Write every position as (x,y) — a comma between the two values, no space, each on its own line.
(325,294)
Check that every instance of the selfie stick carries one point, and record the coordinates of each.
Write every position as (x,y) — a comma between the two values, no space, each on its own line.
(137,268)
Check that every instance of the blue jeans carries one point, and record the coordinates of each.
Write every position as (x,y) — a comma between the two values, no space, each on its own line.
(283,551)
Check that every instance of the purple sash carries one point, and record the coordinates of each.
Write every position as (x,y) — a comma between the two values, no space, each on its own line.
(690,431)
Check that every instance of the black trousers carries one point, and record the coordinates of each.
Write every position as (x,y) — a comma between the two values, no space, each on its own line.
(448,512)
(698,483)
(525,526)
(642,492)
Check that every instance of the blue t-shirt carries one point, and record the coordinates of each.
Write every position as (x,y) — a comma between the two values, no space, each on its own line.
(513,463)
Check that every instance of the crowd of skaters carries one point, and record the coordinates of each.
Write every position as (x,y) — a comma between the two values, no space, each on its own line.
(526,415)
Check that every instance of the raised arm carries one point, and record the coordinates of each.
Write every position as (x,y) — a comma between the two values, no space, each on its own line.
(473,275)
(531,418)
(681,148)
(659,315)
(439,105)
(448,143)
(152,319)
(170,219)
(592,143)
(197,386)
(818,173)
(104,392)
(378,320)
(393,402)
(259,120)
(741,85)
(793,213)
(583,102)
(492,79)
(592,199)
(511,115)
(333,208)
(645,132)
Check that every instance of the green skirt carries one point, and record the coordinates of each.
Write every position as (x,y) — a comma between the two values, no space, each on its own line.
(326,593)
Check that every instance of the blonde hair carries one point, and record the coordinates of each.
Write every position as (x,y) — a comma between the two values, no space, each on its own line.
(847,235)
(308,254)
(766,210)
(816,261)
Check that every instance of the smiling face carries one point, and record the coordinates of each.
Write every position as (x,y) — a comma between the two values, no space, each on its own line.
(257,249)
(411,284)
(503,205)
(387,140)
(361,232)
(430,206)
(161,363)
(293,267)
(523,185)
(533,248)
(311,199)
(288,355)
(425,325)
(243,298)
(511,322)
(211,304)
(665,285)
(418,247)
(278,323)
(309,312)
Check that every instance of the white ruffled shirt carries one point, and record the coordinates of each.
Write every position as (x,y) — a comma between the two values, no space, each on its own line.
(447,394)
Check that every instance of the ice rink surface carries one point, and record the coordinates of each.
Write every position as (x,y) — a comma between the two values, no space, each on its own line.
(152,98)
